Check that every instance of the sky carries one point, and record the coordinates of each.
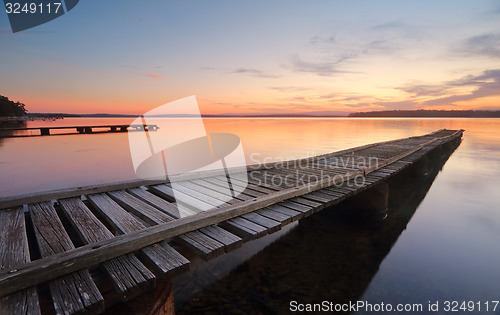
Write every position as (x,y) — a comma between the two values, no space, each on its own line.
(257,57)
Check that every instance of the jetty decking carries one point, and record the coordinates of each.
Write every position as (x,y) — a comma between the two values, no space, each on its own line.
(45,131)
(74,246)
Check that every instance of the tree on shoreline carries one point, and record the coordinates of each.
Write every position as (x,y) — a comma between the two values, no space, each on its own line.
(11,108)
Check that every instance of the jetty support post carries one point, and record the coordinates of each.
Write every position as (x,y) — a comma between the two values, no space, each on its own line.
(44,131)
(372,204)
(421,167)
(437,154)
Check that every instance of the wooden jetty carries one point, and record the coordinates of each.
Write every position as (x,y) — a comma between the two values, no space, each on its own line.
(84,249)
(345,260)
(45,131)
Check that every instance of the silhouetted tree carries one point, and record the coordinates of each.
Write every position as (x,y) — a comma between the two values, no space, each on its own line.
(10,108)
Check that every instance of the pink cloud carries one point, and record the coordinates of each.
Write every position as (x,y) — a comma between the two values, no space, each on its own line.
(155,76)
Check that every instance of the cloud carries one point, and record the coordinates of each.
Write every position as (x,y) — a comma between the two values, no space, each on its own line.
(418,90)
(485,44)
(327,68)
(254,73)
(322,39)
(155,76)
(389,26)
(382,47)
(298,99)
(358,105)
(487,84)
(398,105)
(287,89)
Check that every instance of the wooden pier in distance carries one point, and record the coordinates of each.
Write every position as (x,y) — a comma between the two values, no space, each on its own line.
(45,131)
(72,247)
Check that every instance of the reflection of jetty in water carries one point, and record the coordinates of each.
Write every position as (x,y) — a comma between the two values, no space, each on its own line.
(332,255)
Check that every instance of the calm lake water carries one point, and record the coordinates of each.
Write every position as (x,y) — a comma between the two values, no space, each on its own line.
(448,251)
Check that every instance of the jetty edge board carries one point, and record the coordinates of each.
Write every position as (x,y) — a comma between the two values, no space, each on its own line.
(255,215)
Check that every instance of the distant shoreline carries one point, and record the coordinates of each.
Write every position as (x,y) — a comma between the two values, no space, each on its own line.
(373,114)
(429,114)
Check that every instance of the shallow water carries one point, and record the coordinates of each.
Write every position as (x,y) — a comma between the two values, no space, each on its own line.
(449,249)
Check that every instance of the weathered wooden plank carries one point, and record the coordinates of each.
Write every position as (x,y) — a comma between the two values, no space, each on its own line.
(261,230)
(252,186)
(14,252)
(271,225)
(126,223)
(221,184)
(335,192)
(240,230)
(205,188)
(197,242)
(84,222)
(329,197)
(167,193)
(214,183)
(316,206)
(273,178)
(336,197)
(306,210)
(314,196)
(166,260)
(244,228)
(169,208)
(230,241)
(276,216)
(72,293)
(210,197)
(141,209)
(248,194)
(260,182)
(201,244)
(91,230)
(245,195)
(294,214)
(115,215)
(340,190)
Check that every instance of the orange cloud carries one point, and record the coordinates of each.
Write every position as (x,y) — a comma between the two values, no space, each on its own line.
(155,76)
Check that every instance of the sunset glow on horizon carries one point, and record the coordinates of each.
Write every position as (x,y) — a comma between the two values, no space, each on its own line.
(259,57)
